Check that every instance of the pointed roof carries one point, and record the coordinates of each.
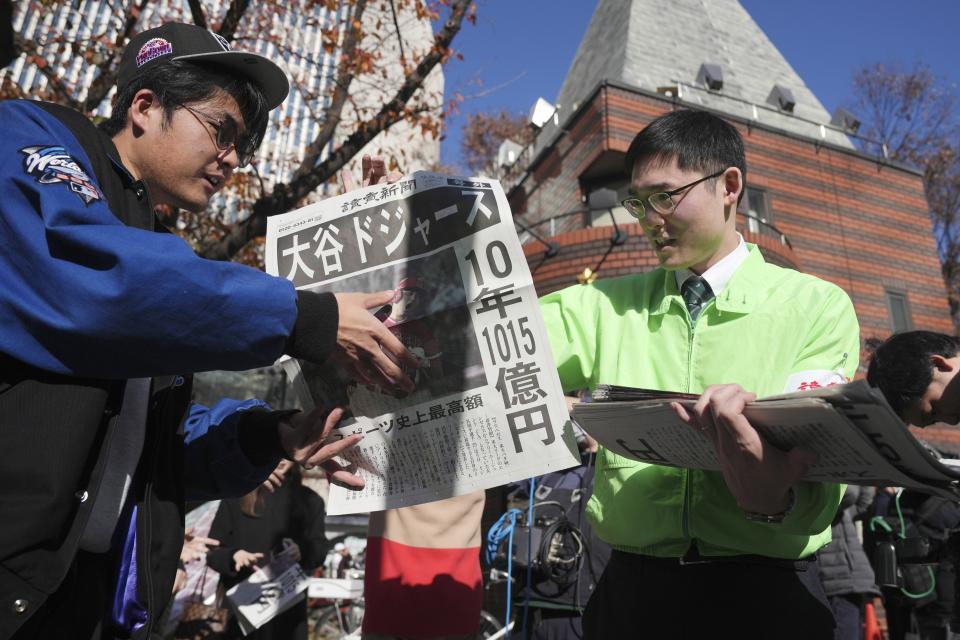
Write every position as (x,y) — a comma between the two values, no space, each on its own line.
(657,43)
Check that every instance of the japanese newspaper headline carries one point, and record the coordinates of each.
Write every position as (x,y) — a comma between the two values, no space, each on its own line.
(487,408)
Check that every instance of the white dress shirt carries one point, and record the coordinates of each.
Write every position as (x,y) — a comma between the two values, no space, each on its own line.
(719,274)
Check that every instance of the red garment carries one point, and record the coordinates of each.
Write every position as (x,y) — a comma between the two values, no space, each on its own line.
(402,582)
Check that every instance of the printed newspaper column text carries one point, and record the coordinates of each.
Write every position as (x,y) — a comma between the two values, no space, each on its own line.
(510,344)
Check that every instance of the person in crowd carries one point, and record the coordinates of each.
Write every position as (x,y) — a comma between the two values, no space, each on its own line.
(845,570)
(287,519)
(194,548)
(701,552)
(339,562)
(558,594)
(422,574)
(916,372)
(104,315)
(923,605)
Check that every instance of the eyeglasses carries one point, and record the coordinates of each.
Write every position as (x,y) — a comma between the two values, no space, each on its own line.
(227,135)
(661,202)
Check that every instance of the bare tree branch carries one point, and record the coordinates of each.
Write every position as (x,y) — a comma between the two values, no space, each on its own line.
(396,25)
(285,196)
(232,20)
(334,112)
(914,114)
(389,114)
(102,84)
(196,12)
(35,54)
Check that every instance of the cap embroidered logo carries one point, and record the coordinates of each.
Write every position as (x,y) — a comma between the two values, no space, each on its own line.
(153,49)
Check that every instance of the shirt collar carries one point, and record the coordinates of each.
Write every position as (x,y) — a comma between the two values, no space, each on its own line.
(746,289)
(718,276)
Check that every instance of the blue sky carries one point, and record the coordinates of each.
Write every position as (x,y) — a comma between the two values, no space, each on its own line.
(521,49)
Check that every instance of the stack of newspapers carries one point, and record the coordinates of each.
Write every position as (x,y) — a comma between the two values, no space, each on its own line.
(856,435)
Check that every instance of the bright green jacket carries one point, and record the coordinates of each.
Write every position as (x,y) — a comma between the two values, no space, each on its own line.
(767,325)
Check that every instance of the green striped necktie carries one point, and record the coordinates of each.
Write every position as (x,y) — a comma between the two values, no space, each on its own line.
(696,293)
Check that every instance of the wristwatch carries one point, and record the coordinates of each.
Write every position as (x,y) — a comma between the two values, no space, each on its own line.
(774,518)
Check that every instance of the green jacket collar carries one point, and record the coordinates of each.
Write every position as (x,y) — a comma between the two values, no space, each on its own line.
(745,291)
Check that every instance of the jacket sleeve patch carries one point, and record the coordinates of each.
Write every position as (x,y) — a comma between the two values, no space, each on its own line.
(53,165)
(815,379)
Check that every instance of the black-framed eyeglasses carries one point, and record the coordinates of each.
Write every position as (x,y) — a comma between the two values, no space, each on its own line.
(227,135)
(661,202)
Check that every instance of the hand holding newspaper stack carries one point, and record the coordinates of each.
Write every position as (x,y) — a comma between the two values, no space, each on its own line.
(270,590)
(857,437)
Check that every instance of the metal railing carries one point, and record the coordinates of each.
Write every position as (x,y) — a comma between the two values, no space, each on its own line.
(762,227)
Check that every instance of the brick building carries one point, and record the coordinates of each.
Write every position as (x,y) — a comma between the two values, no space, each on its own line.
(814,202)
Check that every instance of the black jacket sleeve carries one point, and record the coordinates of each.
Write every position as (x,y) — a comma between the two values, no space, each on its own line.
(314,334)
(311,530)
(220,558)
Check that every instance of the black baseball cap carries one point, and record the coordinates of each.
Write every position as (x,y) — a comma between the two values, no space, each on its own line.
(179,41)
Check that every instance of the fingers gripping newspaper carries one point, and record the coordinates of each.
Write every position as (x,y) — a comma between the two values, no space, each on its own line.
(857,437)
(487,407)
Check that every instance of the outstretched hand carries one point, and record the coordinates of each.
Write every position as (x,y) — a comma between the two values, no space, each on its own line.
(758,474)
(366,349)
(195,546)
(373,171)
(304,439)
(243,559)
(277,476)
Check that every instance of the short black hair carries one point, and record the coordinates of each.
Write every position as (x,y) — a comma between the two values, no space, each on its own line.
(901,366)
(179,82)
(699,141)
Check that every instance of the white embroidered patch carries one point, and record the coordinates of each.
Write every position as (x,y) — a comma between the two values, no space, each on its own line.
(53,165)
(813,379)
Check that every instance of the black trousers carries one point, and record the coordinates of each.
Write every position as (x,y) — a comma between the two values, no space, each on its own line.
(553,624)
(664,599)
(848,613)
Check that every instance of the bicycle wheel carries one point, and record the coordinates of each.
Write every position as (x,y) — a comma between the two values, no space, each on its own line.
(337,621)
(489,625)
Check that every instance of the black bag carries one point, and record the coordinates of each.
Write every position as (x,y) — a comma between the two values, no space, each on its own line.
(919,583)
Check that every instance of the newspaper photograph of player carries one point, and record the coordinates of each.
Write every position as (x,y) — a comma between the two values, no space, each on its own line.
(429,314)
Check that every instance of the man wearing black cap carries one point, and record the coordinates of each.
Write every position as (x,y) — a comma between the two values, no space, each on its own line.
(103,311)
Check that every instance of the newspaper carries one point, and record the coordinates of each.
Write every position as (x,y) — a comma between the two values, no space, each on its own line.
(267,593)
(857,437)
(487,408)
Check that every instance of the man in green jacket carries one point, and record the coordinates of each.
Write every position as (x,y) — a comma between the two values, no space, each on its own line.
(699,552)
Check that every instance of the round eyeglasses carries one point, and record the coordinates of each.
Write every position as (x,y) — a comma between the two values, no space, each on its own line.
(662,202)
(227,135)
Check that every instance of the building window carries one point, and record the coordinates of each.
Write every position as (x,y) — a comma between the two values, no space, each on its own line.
(899,309)
(602,206)
(756,205)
